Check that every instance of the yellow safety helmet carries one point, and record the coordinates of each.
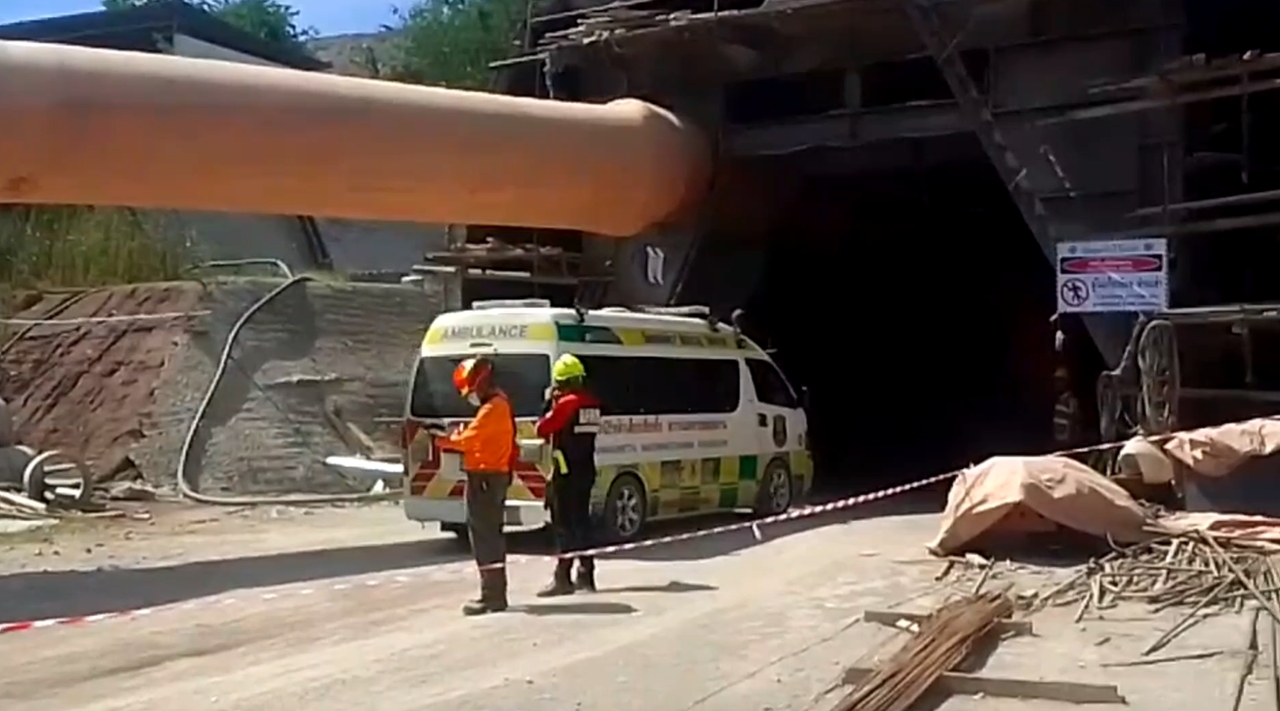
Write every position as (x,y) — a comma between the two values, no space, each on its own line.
(567,367)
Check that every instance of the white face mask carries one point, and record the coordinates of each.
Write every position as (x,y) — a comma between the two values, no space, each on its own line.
(474,399)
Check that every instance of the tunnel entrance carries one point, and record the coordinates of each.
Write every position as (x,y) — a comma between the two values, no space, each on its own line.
(914,305)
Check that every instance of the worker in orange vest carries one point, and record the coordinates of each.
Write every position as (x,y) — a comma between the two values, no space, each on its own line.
(488,448)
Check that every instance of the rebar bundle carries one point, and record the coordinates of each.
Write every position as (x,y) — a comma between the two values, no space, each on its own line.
(943,641)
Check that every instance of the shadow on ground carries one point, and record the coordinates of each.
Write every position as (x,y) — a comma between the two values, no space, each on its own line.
(40,595)
(30,596)
(576,608)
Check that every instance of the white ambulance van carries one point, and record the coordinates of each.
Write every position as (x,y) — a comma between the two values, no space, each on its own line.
(696,417)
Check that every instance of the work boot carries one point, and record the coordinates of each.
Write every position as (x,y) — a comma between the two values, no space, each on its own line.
(562,582)
(493,594)
(586,580)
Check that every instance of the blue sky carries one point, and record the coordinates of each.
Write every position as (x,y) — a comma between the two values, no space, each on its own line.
(329,16)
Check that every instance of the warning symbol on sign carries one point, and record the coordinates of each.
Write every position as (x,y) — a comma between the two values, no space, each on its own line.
(1074,292)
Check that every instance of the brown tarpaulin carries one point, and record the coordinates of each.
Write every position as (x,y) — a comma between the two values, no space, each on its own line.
(990,496)
(1217,451)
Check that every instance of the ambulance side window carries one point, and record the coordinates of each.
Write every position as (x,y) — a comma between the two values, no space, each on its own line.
(645,385)
(771,387)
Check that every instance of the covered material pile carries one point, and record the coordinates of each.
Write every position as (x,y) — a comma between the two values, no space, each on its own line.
(1021,494)
(1220,450)
(943,641)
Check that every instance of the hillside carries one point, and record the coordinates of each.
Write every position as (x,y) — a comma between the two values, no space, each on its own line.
(346,52)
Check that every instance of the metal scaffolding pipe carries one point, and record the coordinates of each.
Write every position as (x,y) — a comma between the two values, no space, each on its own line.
(101,127)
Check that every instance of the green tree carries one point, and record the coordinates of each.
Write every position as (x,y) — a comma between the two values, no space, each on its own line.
(271,20)
(450,42)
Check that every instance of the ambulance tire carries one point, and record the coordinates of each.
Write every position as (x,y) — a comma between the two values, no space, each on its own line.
(461,535)
(626,491)
(776,494)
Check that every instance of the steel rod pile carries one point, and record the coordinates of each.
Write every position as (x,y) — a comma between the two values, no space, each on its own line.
(1204,572)
(943,641)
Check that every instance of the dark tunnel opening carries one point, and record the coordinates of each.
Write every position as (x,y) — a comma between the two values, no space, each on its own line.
(914,305)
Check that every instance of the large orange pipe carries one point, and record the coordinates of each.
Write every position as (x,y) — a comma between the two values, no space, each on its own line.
(100,127)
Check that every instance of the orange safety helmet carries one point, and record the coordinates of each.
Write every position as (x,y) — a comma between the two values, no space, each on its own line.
(472,374)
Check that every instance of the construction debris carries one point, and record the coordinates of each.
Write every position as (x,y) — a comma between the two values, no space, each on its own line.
(1206,572)
(942,641)
(42,488)
(1007,499)
(608,22)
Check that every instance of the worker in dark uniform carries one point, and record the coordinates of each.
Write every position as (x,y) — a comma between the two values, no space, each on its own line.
(1066,406)
(488,447)
(570,424)
(1066,411)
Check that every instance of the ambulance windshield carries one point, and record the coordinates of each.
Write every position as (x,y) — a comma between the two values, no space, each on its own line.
(523,376)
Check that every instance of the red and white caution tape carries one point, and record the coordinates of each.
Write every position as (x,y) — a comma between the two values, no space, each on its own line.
(66,621)
(79,620)
(756,524)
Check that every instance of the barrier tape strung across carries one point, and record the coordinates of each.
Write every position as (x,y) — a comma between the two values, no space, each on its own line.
(23,626)
(814,510)
(835,505)
(101,319)
(755,525)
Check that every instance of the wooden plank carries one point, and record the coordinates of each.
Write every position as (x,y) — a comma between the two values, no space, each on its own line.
(891,618)
(1072,692)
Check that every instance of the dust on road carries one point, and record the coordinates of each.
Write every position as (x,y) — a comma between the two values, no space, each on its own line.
(711,624)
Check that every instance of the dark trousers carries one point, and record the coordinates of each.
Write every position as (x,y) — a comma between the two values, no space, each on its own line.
(486,508)
(570,498)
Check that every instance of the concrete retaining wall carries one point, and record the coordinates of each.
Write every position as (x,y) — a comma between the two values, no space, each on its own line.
(266,430)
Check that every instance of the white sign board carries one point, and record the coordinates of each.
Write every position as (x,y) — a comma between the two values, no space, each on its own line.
(1120,275)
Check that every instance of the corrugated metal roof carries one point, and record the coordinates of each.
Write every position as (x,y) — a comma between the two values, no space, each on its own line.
(147,27)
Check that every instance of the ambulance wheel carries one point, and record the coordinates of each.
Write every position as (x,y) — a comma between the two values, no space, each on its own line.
(775,494)
(461,535)
(625,509)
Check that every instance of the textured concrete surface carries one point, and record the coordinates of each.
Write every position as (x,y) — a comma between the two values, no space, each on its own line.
(86,388)
(131,389)
(266,431)
(718,623)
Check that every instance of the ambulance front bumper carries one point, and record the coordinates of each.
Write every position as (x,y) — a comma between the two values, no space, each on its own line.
(518,513)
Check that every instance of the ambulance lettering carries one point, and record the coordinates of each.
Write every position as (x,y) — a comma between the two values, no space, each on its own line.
(485,332)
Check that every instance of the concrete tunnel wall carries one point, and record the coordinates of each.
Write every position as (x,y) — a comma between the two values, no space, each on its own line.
(1090,174)
(179,133)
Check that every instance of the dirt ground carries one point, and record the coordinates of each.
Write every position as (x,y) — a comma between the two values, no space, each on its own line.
(94,404)
(163,533)
(335,608)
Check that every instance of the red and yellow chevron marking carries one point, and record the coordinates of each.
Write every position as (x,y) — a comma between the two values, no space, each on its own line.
(528,484)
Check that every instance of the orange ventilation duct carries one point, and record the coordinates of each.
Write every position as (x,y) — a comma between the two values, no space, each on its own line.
(99,127)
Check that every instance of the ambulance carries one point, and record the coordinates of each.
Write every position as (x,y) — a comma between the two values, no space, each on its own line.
(696,418)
